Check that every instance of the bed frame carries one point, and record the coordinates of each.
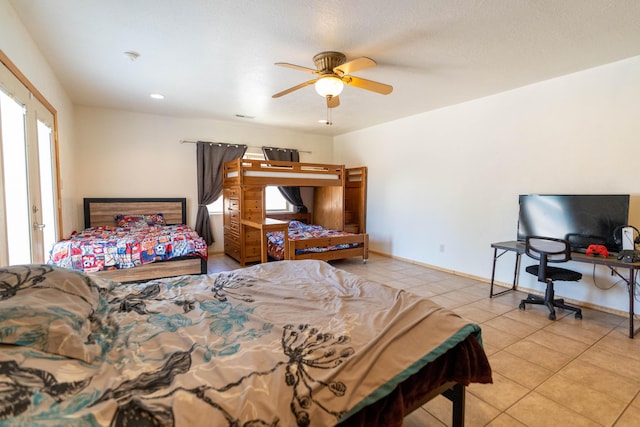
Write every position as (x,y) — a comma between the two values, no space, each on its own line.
(455,393)
(101,211)
(447,376)
(362,250)
(340,203)
(362,240)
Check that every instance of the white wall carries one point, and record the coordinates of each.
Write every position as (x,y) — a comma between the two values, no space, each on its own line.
(127,154)
(19,47)
(444,185)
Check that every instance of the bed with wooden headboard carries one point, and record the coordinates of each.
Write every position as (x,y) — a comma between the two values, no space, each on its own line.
(102,212)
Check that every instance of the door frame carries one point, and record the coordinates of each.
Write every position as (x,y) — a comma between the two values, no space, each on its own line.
(4,59)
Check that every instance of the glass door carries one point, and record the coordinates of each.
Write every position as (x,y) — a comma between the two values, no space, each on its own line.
(28,175)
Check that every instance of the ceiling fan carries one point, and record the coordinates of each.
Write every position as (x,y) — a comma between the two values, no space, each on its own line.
(333,72)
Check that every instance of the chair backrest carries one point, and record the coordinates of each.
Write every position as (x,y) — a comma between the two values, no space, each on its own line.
(554,250)
(546,250)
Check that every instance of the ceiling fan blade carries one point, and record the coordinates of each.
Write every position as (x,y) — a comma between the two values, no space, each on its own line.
(368,84)
(354,65)
(333,101)
(291,89)
(297,67)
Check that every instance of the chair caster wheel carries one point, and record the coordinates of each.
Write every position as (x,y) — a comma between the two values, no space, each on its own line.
(552,316)
(521,306)
(578,316)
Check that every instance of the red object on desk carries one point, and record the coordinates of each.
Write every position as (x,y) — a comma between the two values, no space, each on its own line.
(598,250)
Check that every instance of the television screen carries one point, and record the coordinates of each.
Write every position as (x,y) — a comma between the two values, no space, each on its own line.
(581,219)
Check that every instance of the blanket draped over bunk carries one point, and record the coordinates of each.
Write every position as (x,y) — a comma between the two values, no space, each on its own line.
(287,343)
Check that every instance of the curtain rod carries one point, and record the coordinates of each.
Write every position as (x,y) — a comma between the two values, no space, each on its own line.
(186,141)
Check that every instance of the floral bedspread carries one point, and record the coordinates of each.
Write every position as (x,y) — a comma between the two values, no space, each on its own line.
(109,247)
(292,343)
(299,231)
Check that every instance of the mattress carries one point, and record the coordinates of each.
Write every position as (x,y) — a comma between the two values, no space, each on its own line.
(287,343)
(110,247)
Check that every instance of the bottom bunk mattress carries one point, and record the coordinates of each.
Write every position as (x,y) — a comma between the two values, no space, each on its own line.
(109,247)
(299,231)
(289,343)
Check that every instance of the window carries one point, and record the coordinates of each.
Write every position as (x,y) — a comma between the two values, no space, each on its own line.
(273,198)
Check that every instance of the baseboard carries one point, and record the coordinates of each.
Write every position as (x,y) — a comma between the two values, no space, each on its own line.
(582,304)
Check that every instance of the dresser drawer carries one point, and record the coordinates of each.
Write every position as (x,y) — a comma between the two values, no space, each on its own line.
(232,204)
(231,192)
(232,249)
(232,233)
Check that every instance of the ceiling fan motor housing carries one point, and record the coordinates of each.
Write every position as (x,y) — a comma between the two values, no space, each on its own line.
(327,61)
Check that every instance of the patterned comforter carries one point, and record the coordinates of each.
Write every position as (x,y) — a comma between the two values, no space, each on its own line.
(287,343)
(299,231)
(109,247)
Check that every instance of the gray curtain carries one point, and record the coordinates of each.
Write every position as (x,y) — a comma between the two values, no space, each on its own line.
(210,158)
(292,194)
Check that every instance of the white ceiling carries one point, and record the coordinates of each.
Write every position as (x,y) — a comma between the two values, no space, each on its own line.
(215,59)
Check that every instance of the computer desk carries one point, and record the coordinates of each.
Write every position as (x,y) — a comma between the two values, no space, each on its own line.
(612,262)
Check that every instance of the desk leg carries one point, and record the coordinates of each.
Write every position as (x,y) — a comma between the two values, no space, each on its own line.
(286,243)
(493,273)
(263,246)
(632,285)
(516,268)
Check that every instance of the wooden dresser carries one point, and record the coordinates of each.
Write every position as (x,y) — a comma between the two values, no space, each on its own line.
(242,203)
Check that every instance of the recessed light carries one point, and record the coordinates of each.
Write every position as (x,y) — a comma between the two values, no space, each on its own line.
(157,96)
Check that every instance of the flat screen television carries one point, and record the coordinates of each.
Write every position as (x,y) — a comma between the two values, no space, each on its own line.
(581,219)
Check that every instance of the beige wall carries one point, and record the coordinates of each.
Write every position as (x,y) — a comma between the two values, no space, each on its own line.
(444,185)
(127,154)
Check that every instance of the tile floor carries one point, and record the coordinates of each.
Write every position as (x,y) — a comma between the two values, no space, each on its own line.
(564,373)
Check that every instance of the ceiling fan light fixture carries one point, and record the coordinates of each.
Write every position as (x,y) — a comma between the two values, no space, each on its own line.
(329,86)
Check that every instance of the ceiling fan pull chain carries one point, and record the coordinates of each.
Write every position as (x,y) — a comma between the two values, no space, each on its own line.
(329,120)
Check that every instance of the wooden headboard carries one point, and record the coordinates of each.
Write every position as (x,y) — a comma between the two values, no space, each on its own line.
(102,211)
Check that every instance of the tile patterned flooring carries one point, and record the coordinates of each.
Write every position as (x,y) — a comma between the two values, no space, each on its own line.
(566,372)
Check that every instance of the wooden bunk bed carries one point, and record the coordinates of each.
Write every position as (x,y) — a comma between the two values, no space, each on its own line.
(102,211)
(339,204)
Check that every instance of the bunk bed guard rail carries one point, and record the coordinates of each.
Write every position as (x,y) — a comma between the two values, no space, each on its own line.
(273,172)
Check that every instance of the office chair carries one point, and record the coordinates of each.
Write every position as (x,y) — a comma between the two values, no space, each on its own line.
(549,250)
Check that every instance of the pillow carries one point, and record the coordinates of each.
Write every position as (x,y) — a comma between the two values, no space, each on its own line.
(54,310)
(155,219)
(132,221)
(296,224)
(140,221)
